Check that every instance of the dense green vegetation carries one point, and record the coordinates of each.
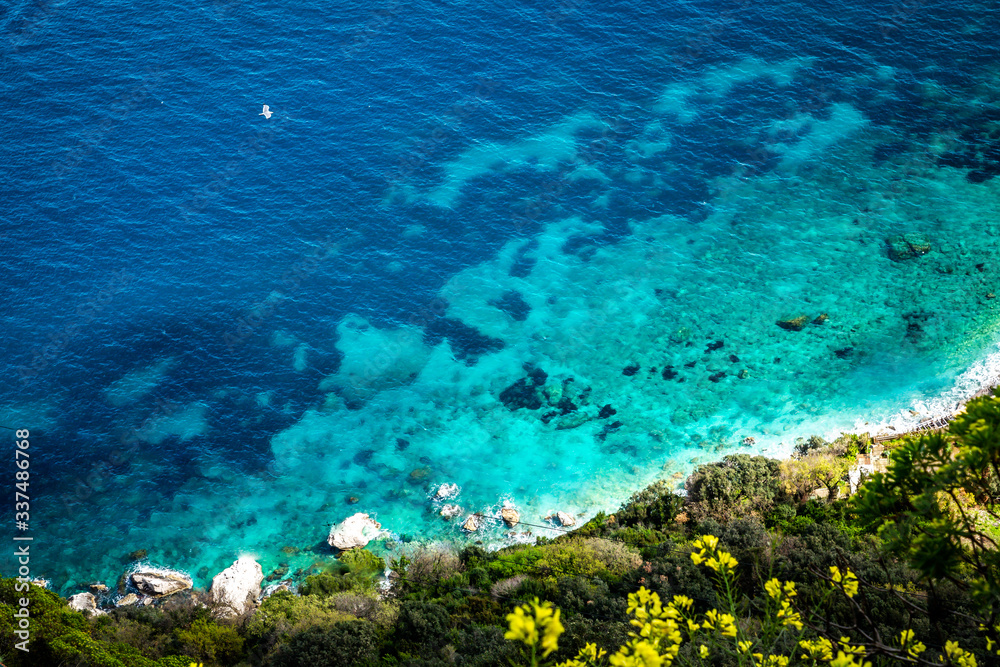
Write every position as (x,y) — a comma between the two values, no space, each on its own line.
(920,539)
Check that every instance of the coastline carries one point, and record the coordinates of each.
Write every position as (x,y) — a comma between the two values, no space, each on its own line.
(979,380)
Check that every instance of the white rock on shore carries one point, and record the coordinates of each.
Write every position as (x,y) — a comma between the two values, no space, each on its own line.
(126,600)
(353,532)
(84,602)
(160,584)
(562,519)
(236,589)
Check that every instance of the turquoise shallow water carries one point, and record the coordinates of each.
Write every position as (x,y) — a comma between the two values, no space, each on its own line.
(549,275)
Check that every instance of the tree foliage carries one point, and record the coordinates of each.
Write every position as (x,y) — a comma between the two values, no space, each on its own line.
(936,505)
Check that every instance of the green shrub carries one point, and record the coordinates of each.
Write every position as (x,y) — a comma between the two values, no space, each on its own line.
(480,609)
(76,647)
(656,506)
(639,537)
(283,615)
(737,485)
(471,556)
(367,606)
(429,568)
(361,561)
(355,575)
(340,645)
(479,577)
(211,642)
(423,625)
(549,561)
(50,618)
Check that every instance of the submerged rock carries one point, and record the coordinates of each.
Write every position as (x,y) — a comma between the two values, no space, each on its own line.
(573,420)
(553,393)
(908,246)
(160,584)
(514,305)
(353,532)
(794,323)
(609,429)
(236,589)
(526,392)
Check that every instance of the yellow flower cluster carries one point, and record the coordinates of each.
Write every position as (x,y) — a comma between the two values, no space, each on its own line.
(724,623)
(776,590)
(908,641)
(820,648)
(847,660)
(720,561)
(958,656)
(990,643)
(847,648)
(588,655)
(783,594)
(659,637)
(535,624)
(847,581)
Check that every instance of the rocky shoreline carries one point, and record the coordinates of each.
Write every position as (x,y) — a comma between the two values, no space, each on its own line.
(240,588)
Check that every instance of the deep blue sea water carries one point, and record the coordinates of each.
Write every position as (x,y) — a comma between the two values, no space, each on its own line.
(220,328)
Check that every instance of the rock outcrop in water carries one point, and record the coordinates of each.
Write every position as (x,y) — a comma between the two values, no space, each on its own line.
(562,519)
(354,532)
(160,584)
(450,511)
(446,491)
(236,589)
(510,516)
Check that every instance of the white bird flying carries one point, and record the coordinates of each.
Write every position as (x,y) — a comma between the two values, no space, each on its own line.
(266,113)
